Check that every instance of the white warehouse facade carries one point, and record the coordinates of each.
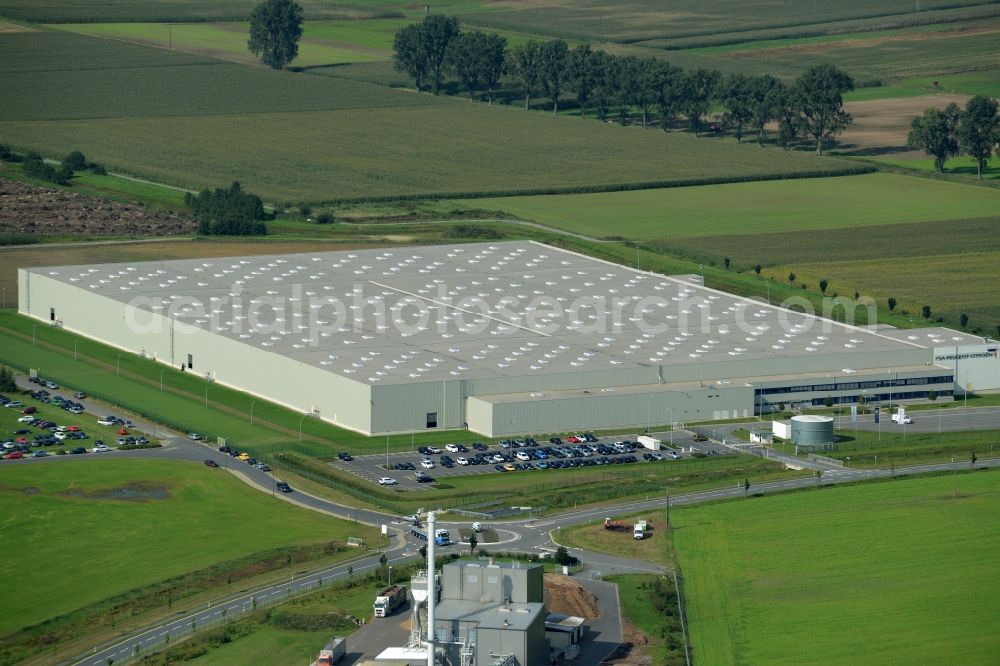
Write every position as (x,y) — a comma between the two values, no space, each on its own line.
(499,338)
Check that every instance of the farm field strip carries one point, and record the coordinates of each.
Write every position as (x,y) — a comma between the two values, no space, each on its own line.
(952,284)
(751,208)
(760,574)
(329,155)
(323,43)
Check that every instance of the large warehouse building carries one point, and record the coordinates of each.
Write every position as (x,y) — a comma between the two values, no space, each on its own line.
(500,338)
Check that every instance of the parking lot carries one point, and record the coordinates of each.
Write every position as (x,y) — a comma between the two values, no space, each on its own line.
(521,455)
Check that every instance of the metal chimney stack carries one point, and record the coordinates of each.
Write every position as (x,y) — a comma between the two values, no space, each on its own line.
(431,586)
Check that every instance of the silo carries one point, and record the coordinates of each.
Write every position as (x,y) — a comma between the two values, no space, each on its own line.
(812,431)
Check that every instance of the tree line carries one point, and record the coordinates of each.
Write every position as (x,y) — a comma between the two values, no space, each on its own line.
(951,131)
(609,85)
(227,212)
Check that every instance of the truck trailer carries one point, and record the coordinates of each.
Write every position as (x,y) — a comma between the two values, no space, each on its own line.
(389,600)
(332,652)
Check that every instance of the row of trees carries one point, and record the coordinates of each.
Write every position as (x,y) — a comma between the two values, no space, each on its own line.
(227,212)
(606,84)
(35,166)
(951,131)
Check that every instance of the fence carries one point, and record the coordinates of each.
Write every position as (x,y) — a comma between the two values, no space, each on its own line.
(815,457)
(179,630)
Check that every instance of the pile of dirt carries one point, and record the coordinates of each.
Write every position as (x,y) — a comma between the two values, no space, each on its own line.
(28,209)
(566,596)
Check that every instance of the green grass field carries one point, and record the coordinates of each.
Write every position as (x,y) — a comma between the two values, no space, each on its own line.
(752,208)
(963,166)
(60,504)
(323,42)
(880,573)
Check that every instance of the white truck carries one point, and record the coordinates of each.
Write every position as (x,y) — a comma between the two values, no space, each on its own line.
(389,600)
(639,530)
(650,443)
(901,418)
(332,652)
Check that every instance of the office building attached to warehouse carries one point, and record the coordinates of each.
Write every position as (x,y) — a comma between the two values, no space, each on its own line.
(499,338)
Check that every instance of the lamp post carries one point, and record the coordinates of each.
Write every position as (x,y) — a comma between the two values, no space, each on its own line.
(161,380)
(33,327)
(301,418)
(118,366)
(252,403)
(390,575)
(74,349)
(387,451)
(206,396)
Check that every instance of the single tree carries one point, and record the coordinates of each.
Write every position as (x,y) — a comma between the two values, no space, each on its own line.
(7,382)
(647,91)
(726,262)
(464,58)
(581,75)
(75,161)
(819,100)
(972,460)
(492,61)
(524,65)
(819,476)
(627,75)
(892,303)
(756,269)
(926,311)
(408,54)
(696,95)
(436,33)
(766,96)
(979,130)
(964,320)
(791,278)
(823,284)
(275,30)
(746,487)
(736,96)
(604,86)
(668,80)
(553,55)
(935,133)
(473,542)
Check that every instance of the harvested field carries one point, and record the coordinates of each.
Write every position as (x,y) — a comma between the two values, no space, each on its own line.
(880,126)
(42,211)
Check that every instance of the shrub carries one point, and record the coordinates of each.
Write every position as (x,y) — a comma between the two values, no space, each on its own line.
(231,212)
(7,379)
(7,155)
(324,218)
(471,231)
(305,210)
(35,167)
(75,161)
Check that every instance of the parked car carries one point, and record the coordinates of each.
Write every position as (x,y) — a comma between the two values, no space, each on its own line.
(102,448)
(451,448)
(26,419)
(387,481)
(462,461)
(224,449)
(262,467)
(78,450)
(40,453)
(427,463)
(79,395)
(698,437)
(14,404)
(283,487)
(107,421)
(193,436)
(211,463)
(244,456)
(30,410)
(434,450)
(345,456)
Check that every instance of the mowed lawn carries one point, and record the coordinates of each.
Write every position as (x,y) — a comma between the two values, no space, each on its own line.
(75,546)
(751,208)
(900,572)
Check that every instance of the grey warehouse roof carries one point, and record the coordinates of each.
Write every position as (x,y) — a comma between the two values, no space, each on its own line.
(415,314)
(936,336)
